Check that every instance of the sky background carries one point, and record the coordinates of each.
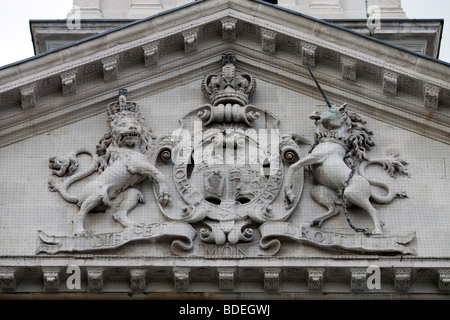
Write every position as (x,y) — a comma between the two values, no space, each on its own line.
(16,37)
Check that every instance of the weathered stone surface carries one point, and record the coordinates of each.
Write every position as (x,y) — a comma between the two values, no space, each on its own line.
(151,53)
(315,278)
(138,279)
(69,82)
(402,281)
(181,278)
(358,278)
(110,68)
(268,38)
(51,278)
(190,40)
(271,278)
(226,278)
(7,278)
(95,278)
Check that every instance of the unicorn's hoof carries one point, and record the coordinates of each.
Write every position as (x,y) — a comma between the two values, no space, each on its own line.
(377,232)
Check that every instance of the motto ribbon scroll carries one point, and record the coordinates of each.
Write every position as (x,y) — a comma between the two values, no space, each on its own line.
(181,234)
(272,232)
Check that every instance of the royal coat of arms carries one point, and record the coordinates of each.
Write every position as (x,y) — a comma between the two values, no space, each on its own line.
(227,169)
(226,177)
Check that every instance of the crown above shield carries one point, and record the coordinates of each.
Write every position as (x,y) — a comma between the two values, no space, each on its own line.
(228,86)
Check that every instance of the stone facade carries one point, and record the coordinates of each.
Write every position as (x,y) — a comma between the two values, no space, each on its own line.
(155,188)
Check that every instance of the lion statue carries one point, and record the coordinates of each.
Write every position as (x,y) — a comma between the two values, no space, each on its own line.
(341,145)
(123,159)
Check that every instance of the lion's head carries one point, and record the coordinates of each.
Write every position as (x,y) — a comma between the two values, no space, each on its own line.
(127,130)
(346,127)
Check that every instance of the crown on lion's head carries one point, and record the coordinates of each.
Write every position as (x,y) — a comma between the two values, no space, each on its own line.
(122,106)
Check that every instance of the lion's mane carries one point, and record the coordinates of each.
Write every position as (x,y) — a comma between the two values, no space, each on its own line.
(108,142)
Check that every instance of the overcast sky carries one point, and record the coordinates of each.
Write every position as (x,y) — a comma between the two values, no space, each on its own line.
(16,42)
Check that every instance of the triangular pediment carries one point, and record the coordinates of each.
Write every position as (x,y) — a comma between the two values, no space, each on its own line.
(161,52)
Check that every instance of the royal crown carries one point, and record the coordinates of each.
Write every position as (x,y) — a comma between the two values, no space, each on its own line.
(122,105)
(229,86)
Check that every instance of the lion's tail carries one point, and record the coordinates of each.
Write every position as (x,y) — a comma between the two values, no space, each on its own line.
(65,166)
(395,166)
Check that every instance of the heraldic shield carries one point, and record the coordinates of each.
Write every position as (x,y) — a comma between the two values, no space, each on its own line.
(227,162)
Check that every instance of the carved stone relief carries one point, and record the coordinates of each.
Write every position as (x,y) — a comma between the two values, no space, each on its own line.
(28,96)
(181,277)
(226,181)
(268,38)
(190,40)
(271,278)
(151,52)
(110,68)
(228,28)
(138,279)
(402,281)
(69,82)
(51,278)
(389,81)
(431,99)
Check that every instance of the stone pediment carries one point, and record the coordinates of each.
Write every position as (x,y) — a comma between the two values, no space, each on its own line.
(385,82)
(212,225)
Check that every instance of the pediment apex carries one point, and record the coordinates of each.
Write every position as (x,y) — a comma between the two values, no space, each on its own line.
(277,44)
